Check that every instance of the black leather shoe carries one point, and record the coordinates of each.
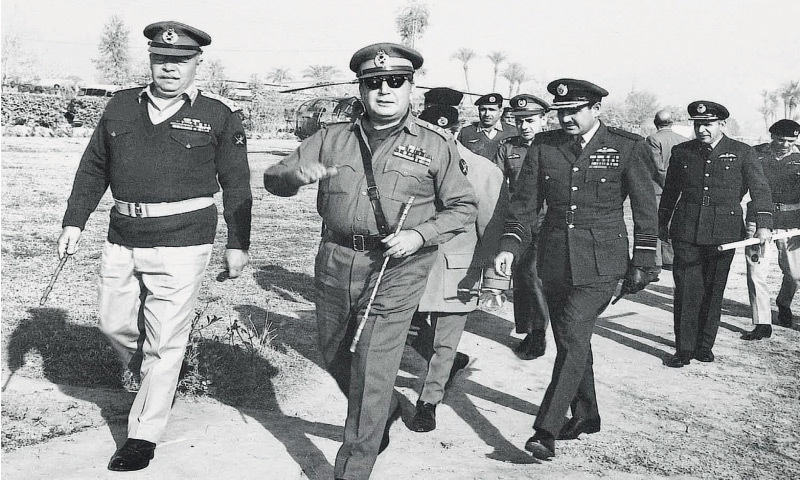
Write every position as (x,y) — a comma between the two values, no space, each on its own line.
(532,346)
(785,316)
(575,426)
(761,331)
(704,356)
(135,454)
(542,446)
(678,360)
(425,417)
(392,417)
(459,363)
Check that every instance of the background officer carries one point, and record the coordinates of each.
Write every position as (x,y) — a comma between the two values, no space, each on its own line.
(706,180)
(463,266)
(661,143)
(484,136)
(164,150)
(584,172)
(531,315)
(367,169)
(780,160)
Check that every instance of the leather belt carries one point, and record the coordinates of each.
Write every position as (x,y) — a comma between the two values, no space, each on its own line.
(359,243)
(786,207)
(145,210)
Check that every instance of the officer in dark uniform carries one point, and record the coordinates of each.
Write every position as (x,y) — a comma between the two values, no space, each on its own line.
(584,172)
(484,136)
(531,315)
(706,180)
(367,170)
(164,150)
(443,96)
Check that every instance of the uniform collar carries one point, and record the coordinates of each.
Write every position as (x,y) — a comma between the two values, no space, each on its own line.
(587,137)
(408,124)
(497,126)
(190,93)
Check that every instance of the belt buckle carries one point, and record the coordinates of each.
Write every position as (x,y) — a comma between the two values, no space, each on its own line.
(778,206)
(706,200)
(359,245)
(569,217)
(373,192)
(137,210)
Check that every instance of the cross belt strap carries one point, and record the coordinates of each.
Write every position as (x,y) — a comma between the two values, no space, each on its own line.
(372,188)
(164,209)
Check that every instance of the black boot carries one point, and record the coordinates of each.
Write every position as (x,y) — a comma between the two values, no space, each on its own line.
(425,417)
(135,454)
(761,331)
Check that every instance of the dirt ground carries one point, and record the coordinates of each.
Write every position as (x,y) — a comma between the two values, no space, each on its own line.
(734,418)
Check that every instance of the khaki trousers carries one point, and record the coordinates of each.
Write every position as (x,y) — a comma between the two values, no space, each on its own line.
(788,253)
(162,283)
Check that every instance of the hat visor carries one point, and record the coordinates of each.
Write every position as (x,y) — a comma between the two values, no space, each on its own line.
(174,52)
(528,113)
(706,118)
(386,72)
(574,104)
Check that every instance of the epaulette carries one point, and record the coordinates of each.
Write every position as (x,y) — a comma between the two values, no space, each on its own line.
(624,133)
(434,128)
(225,101)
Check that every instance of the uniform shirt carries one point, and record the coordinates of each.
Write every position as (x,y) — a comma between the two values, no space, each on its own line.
(661,144)
(584,239)
(704,189)
(783,176)
(476,141)
(416,159)
(510,155)
(202,147)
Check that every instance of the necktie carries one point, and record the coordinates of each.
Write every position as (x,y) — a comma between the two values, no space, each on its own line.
(576,146)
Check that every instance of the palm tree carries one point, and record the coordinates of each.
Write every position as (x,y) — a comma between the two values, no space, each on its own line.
(497,58)
(320,73)
(769,103)
(516,76)
(279,75)
(411,22)
(465,55)
(790,94)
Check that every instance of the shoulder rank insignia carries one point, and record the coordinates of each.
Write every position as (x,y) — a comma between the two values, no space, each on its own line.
(462,164)
(191,124)
(412,154)
(604,158)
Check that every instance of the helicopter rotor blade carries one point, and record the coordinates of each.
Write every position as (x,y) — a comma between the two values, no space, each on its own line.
(329,84)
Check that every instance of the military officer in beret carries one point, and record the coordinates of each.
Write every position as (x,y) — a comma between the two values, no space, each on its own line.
(531,316)
(584,172)
(443,96)
(367,170)
(706,180)
(463,265)
(780,160)
(484,136)
(164,150)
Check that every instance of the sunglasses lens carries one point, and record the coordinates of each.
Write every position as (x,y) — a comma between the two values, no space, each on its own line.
(395,81)
(374,83)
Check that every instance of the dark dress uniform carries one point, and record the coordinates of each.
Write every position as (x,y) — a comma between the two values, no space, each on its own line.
(583,247)
(510,154)
(702,195)
(478,142)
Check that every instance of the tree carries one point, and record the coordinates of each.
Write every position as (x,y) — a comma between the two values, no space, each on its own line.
(17,64)
(113,64)
(497,58)
(640,106)
(279,75)
(769,106)
(214,76)
(790,94)
(516,75)
(320,73)
(465,55)
(411,22)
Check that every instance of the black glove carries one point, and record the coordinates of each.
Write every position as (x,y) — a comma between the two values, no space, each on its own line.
(636,278)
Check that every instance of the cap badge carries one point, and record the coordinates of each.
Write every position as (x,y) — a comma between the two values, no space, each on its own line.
(442,121)
(380,59)
(170,36)
(492,99)
(701,108)
(562,90)
(522,103)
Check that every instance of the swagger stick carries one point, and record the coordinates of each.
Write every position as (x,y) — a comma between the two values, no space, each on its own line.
(53,279)
(378,281)
(792,232)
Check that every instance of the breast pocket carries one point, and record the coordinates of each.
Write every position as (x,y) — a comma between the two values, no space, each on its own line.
(606,183)
(347,179)
(118,132)
(402,178)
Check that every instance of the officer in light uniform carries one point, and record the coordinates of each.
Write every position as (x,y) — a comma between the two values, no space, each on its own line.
(402,156)
(484,136)
(531,315)
(164,150)
(780,160)
(706,180)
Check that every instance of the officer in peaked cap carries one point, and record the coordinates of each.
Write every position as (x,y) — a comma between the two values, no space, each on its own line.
(781,162)
(584,172)
(363,168)
(175,39)
(699,210)
(525,104)
(529,119)
(443,96)
(484,136)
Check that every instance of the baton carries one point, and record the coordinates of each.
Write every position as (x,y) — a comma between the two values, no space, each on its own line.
(792,232)
(378,281)
(53,279)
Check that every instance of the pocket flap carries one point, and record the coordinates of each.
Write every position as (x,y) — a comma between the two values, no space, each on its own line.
(458,260)
(191,139)
(605,234)
(118,127)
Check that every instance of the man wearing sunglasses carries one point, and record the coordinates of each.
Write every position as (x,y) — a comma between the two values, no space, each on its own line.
(367,171)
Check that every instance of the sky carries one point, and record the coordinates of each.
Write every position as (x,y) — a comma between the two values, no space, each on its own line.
(681,50)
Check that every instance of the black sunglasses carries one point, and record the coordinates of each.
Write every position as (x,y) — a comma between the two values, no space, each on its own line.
(394,81)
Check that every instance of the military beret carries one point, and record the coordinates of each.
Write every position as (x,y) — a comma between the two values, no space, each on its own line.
(443,96)
(705,110)
(785,128)
(175,39)
(525,105)
(385,59)
(572,93)
(440,115)
(490,99)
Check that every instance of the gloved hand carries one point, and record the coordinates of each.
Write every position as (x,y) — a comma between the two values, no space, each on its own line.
(636,278)
(491,299)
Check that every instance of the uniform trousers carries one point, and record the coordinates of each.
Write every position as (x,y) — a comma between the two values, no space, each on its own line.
(573,310)
(788,253)
(700,273)
(162,283)
(530,306)
(344,280)
(437,344)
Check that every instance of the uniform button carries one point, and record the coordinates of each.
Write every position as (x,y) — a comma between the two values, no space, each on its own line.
(708,161)
(708,174)
(547,177)
(575,169)
(574,188)
(188,145)
(602,180)
(705,188)
(358,218)
(113,134)
(570,226)
(364,192)
(727,168)
(573,207)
